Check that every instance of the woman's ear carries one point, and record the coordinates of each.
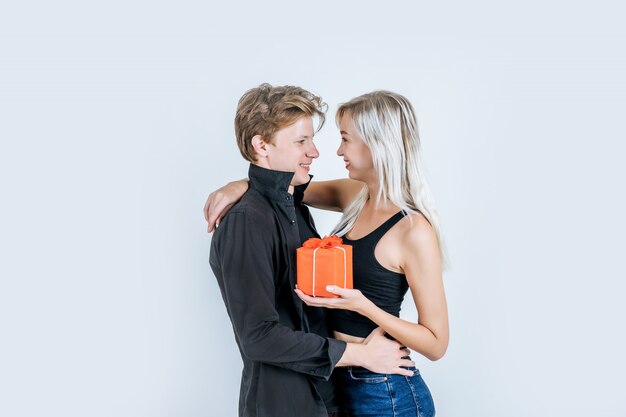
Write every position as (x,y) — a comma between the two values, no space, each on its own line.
(259,145)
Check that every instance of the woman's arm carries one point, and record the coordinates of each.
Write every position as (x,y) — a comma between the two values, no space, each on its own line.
(422,267)
(333,195)
(221,200)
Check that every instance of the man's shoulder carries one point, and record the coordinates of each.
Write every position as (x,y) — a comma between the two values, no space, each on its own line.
(253,212)
(254,206)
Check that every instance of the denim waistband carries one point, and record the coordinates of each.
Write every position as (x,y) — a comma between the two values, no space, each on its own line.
(361,369)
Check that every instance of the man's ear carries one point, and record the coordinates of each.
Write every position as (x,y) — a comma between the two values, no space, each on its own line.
(259,145)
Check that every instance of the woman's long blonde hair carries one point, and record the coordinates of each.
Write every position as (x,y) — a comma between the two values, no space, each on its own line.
(387,123)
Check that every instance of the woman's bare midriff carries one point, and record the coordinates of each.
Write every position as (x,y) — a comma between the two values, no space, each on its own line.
(347,338)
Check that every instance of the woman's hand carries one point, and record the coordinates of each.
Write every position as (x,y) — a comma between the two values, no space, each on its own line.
(353,300)
(221,200)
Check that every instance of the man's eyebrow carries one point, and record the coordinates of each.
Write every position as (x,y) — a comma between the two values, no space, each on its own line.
(303,137)
(343,132)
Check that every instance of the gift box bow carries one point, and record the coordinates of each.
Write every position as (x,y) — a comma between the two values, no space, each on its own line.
(326,243)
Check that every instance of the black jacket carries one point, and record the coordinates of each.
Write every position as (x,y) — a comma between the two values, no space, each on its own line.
(253,258)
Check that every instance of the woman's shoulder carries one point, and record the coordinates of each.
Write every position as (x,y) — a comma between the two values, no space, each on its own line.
(417,232)
(419,246)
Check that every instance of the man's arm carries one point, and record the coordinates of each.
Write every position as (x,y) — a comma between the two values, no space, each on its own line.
(244,257)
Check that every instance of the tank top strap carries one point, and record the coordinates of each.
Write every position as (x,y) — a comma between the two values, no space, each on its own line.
(377,234)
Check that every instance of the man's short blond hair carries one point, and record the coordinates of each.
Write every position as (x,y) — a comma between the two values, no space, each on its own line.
(266,109)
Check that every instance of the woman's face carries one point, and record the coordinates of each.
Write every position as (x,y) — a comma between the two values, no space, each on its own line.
(356,154)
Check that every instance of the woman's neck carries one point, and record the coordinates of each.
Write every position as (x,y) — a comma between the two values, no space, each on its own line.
(372,188)
(383,206)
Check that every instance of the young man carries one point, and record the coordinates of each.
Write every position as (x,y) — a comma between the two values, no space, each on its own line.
(287,355)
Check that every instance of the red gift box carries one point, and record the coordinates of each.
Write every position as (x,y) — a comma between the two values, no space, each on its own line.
(322,262)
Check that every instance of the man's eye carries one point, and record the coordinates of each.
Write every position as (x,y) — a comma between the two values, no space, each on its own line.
(301,141)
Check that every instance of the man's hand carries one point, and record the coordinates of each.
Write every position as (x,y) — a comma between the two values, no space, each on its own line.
(221,200)
(378,354)
(385,356)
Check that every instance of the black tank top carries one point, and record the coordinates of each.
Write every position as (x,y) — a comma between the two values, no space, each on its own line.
(383,287)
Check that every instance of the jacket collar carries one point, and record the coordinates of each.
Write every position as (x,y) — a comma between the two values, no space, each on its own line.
(298,191)
(274,185)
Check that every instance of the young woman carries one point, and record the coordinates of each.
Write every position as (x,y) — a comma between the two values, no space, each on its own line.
(390,221)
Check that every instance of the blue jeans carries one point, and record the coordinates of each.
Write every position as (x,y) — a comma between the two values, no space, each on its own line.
(367,393)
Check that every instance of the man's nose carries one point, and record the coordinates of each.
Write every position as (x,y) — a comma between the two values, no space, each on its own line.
(313,153)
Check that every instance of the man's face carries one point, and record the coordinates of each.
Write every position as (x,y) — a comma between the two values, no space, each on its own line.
(293,150)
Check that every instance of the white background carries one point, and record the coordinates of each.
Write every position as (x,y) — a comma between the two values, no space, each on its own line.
(116,123)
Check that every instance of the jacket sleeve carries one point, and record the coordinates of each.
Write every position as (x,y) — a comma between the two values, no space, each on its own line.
(245,259)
